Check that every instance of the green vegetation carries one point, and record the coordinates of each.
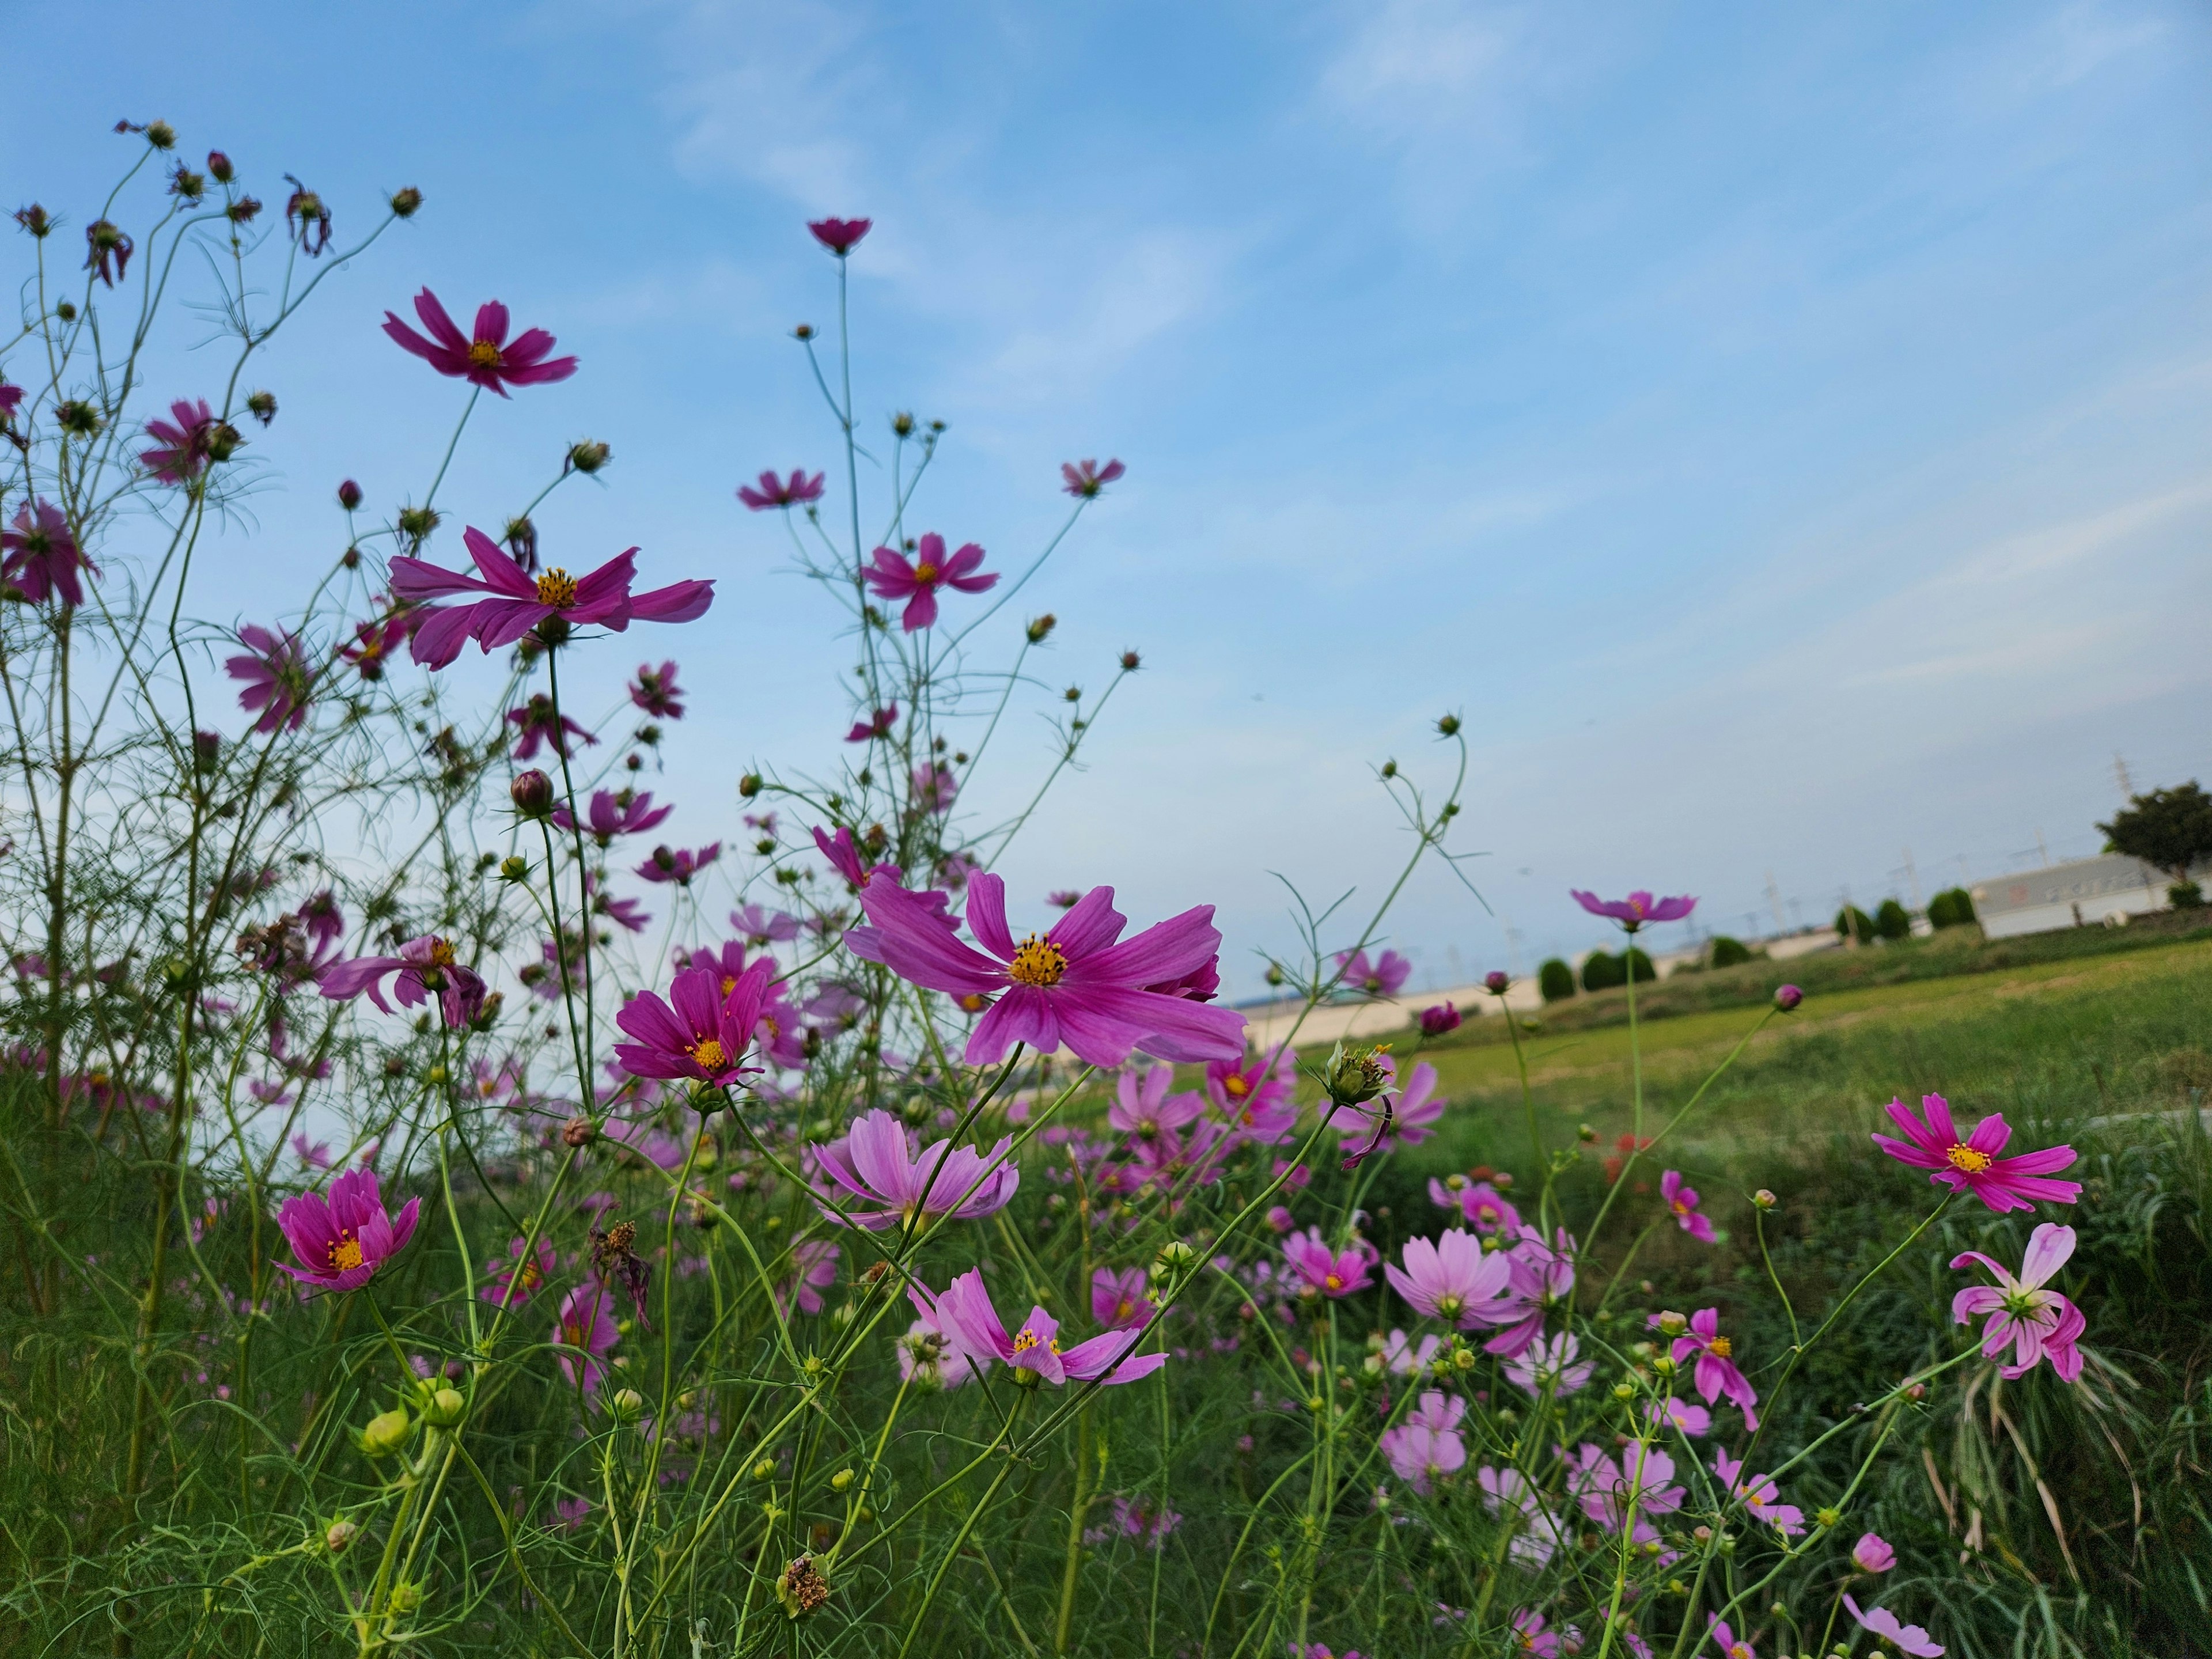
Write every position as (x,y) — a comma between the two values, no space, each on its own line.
(1952,907)
(1556,981)
(2169,828)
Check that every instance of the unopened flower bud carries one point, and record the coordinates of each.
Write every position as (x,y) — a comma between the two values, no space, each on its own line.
(1763,1199)
(161,135)
(1916,1391)
(1624,1391)
(1438,1021)
(902,423)
(1356,1073)
(765,1469)
(406,1596)
(626,1405)
(387,1432)
(531,792)
(1129,661)
(1662,1365)
(1787,997)
(842,1480)
(1274,974)
(1175,1257)
(338,1535)
(348,495)
(1464,1359)
(219,168)
(444,1409)
(1495,982)
(1042,626)
(1586,1134)
(1827,1518)
(1671,1323)
(804,332)
(749,785)
(1447,727)
(588,457)
(514,867)
(405,201)
(579,1130)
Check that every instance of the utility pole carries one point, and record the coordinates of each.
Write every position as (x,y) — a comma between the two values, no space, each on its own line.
(1774,900)
(2042,847)
(1913,876)
(2120,776)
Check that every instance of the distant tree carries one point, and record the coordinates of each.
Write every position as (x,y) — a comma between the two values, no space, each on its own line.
(1855,926)
(2185,895)
(1556,981)
(1603,971)
(1952,907)
(1635,962)
(1893,920)
(1726,952)
(2171,828)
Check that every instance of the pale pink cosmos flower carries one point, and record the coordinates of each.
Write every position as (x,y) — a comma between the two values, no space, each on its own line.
(876,1164)
(1414,1112)
(1729,1645)
(1638,910)
(1452,1279)
(1405,1358)
(1682,1202)
(1716,1372)
(1761,1497)
(1905,1638)
(315,1156)
(515,1280)
(1541,1535)
(932,1352)
(1085,479)
(1330,1273)
(1970,1163)
(1479,1203)
(1872,1553)
(893,577)
(1686,1416)
(1137,1518)
(1550,1368)
(813,1270)
(1603,1486)
(1529,1636)
(1420,1455)
(1385,977)
(2033,1322)
(1438,1412)
(1143,1106)
(1106,1359)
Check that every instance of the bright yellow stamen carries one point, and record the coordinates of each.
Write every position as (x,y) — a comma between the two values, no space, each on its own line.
(345,1255)
(1038,962)
(1123,1310)
(483,354)
(1720,1347)
(925,572)
(557,588)
(729,983)
(1235,1087)
(1680,1207)
(441,952)
(1024,1339)
(974,1003)
(710,1053)
(1334,1282)
(1967,1160)
(529,1276)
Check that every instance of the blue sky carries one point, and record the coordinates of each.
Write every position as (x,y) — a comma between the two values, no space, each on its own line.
(1781,432)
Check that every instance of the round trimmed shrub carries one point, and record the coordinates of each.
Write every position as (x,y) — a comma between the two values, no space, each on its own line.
(1603,971)
(1556,981)
(1853,923)
(1952,907)
(1893,920)
(1726,952)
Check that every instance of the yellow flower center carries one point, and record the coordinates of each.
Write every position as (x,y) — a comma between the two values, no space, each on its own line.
(1235,1087)
(925,572)
(710,1053)
(1485,1213)
(729,983)
(483,354)
(557,588)
(1038,962)
(1448,1307)
(441,952)
(974,1003)
(1681,1207)
(1024,1339)
(529,1276)
(572,1335)
(1334,1282)
(345,1255)
(1967,1160)
(1123,1310)
(772,1026)
(1720,1347)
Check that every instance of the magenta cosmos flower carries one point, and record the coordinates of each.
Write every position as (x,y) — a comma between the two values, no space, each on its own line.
(485,358)
(700,1032)
(678,864)
(426,967)
(1080,985)
(878,724)
(1383,977)
(1118,1300)
(1085,479)
(1481,1205)
(1717,1373)
(1682,1202)
(1530,1637)
(1637,910)
(1761,1495)
(584,1329)
(515,1280)
(274,676)
(185,442)
(1143,1107)
(1330,1273)
(612,815)
(769,490)
(876,1163)
(840,236)
(1725,1641)
(655,691)
(1440,1019)
(1414,1112)
(892,577)
(1035,1349)
(1453,1280)
(342,1243)
(1970,1163)
(518,603)
(41,556)
(1872,1553)
(1905,1638)
(540,722)
(2033,1322)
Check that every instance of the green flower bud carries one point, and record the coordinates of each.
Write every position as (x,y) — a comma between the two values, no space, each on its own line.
(626,1405)
(387,1432)
(445,1409)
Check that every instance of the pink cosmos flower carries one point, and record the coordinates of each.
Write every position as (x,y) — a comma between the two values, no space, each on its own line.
(892,577)
(1142,1105)
(342,1243)
(1684,1415)
(1482,1206)
(515,1281)
(1725,1640)
(1872,1553)
(762,926)
(678,864)
(840,236)
(41,556)
(1529,1636)
(426,966)
(1413,1113)
(876,1162)
(813,1270)
(1255,1095)
(1540,1533)
(1761,1497)
(374,641)
(516,603)
(1140,1519)
(1075,985)
(655,691)
(585,1329)
(1118,1300)
(933,1351)
(700,1032)
(1385,977)
(934,787)
(185,442)
(1602,1486)
(569,1514)
(276,677)
(315,1156)
(1682,1201)
(611,815)
(798,490)
(1452,1280)
(1638,910)
(1420,1455)
(1105,1358)
(879,724)
(1403,1357)
(1905,1638)
(1717,1373)
(11,399)
(1550,1367)
(1085,479)
(486,358)
(2033,1322)
(1330,1273)
(1971,1164)
(539,722)
(625,912)
(1437,1021)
